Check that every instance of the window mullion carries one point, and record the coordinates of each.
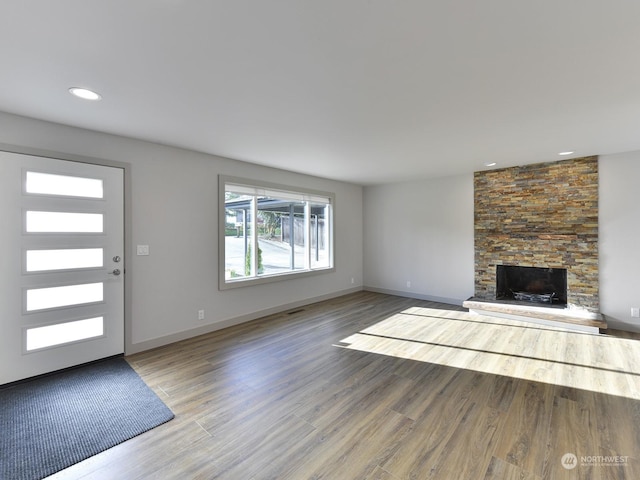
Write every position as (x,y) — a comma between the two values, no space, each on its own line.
(307,235)
(254,237)
(292,238)
(328,224)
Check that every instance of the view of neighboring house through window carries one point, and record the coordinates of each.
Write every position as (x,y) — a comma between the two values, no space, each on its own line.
(272,230)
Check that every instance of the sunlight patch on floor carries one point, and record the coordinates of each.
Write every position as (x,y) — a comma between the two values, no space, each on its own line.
(599,363)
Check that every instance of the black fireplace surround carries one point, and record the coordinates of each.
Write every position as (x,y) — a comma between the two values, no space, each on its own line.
(544,286)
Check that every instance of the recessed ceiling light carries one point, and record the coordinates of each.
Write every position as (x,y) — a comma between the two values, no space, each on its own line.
(565,153)
(84,93)
(492,164)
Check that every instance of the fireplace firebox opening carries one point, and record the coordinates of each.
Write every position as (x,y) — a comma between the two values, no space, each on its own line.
(532,284)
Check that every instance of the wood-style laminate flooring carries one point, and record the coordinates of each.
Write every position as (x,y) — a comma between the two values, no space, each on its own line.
(372,386)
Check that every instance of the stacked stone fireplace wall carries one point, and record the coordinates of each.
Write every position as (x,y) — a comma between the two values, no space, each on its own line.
(542,215)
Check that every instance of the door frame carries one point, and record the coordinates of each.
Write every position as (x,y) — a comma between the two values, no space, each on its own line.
(128,221)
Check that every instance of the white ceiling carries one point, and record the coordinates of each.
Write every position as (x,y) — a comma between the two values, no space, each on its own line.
(366,91)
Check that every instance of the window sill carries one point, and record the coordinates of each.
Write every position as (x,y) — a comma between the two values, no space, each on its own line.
(226,284)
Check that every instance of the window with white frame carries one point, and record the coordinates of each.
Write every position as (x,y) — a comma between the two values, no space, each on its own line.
(269,231)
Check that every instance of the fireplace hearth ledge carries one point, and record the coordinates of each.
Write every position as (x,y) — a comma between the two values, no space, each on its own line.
(571,318)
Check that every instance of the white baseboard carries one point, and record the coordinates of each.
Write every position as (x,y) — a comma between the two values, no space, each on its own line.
(194,332)
(419,296)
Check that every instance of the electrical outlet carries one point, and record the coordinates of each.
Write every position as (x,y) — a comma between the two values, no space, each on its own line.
(408,284)
(200,314)
(635,312)
(352,281)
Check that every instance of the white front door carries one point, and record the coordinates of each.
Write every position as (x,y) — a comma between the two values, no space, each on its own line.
(61,264)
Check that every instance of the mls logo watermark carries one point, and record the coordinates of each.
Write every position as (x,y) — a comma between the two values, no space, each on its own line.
(569,461)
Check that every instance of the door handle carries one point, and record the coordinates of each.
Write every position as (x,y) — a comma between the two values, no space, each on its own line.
(116,272)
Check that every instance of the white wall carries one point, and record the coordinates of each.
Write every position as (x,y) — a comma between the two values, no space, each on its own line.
(175,211)
(420,232)
(423,232)
(619,239)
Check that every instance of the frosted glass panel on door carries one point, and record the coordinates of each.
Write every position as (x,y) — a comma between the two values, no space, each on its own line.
(61,333)
(54,297)
(64,222)
(64,259)
(49,184)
